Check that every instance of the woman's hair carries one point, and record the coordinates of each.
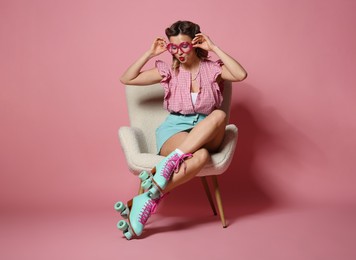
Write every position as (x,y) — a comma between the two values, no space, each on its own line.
(187,28)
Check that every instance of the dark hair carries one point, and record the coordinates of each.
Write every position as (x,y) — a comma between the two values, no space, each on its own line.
(186,28)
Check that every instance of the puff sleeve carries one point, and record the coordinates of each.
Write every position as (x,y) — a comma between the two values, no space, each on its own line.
(166,73)
(216,68)
(164,70)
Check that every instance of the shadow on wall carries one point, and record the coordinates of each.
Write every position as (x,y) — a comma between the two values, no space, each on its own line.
(242,192)
(272,161)
(248,187)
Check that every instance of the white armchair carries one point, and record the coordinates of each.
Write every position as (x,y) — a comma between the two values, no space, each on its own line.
(146,113)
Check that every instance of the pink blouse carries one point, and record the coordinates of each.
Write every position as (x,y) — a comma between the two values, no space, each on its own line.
(177,96)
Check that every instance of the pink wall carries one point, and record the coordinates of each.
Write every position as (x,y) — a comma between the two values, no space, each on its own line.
(62,103)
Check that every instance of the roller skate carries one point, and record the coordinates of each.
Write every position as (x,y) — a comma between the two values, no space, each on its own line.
(137,211)
(156,180)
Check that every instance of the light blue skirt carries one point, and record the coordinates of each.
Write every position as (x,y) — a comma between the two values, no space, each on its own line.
(174,124)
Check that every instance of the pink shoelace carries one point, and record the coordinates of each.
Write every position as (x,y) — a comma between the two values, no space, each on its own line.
(148,209)
(172,165)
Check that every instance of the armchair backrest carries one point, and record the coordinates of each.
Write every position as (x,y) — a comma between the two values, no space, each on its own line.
(146,112)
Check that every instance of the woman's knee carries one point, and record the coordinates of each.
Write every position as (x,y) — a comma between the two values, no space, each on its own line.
(219,117)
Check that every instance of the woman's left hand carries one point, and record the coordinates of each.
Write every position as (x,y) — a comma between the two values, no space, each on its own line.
(203,41)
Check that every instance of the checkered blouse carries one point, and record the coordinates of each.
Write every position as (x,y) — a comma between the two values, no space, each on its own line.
(177,96)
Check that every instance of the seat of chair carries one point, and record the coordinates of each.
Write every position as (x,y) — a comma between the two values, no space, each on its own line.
(139,161)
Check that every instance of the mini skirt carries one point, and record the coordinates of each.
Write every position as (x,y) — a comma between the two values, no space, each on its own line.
(176,123)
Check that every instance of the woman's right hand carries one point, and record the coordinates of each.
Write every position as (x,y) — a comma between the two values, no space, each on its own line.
(158,46)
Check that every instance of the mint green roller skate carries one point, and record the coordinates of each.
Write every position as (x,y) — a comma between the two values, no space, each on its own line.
(157,180)
(137,211)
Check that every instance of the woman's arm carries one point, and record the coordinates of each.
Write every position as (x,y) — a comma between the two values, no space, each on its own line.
(134,74)
(231,70)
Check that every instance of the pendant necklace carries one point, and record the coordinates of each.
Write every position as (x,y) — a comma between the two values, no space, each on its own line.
(196,75)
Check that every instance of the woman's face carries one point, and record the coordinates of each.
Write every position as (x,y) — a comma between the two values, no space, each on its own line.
(180,46)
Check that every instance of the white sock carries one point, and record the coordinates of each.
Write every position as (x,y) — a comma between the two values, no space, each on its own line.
(179,152)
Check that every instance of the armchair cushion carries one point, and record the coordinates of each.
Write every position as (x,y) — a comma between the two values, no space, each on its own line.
(134,146)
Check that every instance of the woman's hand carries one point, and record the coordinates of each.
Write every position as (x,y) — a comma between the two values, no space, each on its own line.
(203,41)
(158,47)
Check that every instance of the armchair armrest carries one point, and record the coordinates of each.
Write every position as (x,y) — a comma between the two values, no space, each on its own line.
(221,160)
(230,139)
(132,140)
(134,146)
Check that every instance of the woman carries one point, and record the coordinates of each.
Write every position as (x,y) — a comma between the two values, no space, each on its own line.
(195,126)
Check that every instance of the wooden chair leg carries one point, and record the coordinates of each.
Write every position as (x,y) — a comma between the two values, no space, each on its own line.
(218,201)
(140,190)
(208,194)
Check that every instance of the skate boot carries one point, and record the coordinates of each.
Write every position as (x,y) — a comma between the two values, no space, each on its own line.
(157,180)
(137,211)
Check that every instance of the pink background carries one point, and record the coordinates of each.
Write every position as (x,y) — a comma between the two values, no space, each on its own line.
(62,103)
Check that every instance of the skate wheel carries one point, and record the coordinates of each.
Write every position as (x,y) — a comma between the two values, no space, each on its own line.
(125,213)
(144,175)
(146,184)
(122,225)
(154,192)
(119,206)
(128,235)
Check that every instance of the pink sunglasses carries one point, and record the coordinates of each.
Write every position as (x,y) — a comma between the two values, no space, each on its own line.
(184,47)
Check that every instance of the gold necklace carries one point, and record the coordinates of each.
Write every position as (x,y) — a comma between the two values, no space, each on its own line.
(196,75)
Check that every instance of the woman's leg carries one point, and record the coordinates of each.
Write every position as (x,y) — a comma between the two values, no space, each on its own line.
(208,133)
(192,165)
(206,136)
(188,171)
